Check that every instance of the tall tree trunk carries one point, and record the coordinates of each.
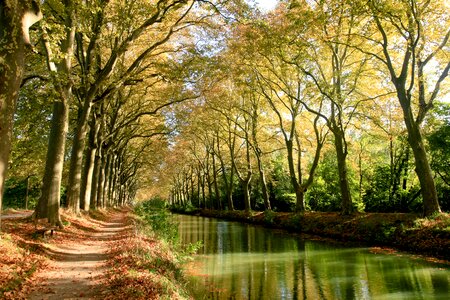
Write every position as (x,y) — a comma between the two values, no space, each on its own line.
(106,181)
(264,189)
(106,199)
(98,161)
(111,180)
(423,169)
(186,189)
(300,202)
(101,180)
(341,155)
(203,187)
(245,187)
(12,59)
(229,194)
(216,185)
(95,179)
(86,185)
(411,80)
(114,188)
(200,181)
(88,173)
(13,40)
(193,186)
(228,185)
(258,154)
(245,181)
(207,178)
(76,159)
(48,205)
(121,194)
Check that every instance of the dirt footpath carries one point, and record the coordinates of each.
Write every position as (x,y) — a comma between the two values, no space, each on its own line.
(78,259)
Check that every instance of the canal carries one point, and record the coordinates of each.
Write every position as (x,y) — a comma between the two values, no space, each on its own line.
(242,261)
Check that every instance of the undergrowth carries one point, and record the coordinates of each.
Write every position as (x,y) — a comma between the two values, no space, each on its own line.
(436,222)
(147,263)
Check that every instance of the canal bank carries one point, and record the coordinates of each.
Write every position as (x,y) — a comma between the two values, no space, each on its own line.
(244,261)
(429,237)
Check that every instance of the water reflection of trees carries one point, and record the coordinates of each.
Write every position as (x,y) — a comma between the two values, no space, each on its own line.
(248,262)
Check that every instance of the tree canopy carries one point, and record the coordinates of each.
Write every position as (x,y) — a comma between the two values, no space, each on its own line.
(328,105)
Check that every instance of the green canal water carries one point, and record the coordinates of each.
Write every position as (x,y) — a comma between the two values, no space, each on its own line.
(241,261)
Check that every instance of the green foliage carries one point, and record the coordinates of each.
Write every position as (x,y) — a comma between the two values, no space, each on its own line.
(284,202)
(31,128)
(381,196)
(15,192)
(256,197)
(155,214)
(439,145)
(392,185)
(443,191)
(269,217)
(376,196)
(385,233)
(192,248)
(324,194)
(280,188)
(295,222)
(177,208)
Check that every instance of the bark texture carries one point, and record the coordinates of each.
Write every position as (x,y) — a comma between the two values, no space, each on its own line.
(13,41)
(49,202)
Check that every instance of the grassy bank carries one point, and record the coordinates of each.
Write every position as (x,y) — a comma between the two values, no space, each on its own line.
(408,232)
(147,264)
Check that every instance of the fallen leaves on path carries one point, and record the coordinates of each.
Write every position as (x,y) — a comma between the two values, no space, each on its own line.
(20,257)
(143,268)
(67,263)
(100,257)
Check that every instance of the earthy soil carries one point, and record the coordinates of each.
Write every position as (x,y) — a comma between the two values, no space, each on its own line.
(78,265)
(77,256)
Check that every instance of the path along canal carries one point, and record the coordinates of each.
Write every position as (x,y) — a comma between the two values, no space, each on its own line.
(242,261)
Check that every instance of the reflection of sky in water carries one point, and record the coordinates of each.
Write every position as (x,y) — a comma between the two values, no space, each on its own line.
(240,261)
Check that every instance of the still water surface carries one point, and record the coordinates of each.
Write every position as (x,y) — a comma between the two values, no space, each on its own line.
(241,261)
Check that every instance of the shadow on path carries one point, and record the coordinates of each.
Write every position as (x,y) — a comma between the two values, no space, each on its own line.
(77,266)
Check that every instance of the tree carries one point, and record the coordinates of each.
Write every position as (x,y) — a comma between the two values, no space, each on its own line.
(287,90)
(16,17)
(95,86)
(59,61)
(336,69)
(292,106)
(409,39)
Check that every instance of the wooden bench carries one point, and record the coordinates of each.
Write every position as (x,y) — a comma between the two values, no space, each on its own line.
(43,227)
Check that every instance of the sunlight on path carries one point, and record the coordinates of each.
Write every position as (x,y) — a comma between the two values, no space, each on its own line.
(75,270)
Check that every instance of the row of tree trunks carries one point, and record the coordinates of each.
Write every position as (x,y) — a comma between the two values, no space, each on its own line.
(87,179)
(100,186)
(13,40)
(102,180)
